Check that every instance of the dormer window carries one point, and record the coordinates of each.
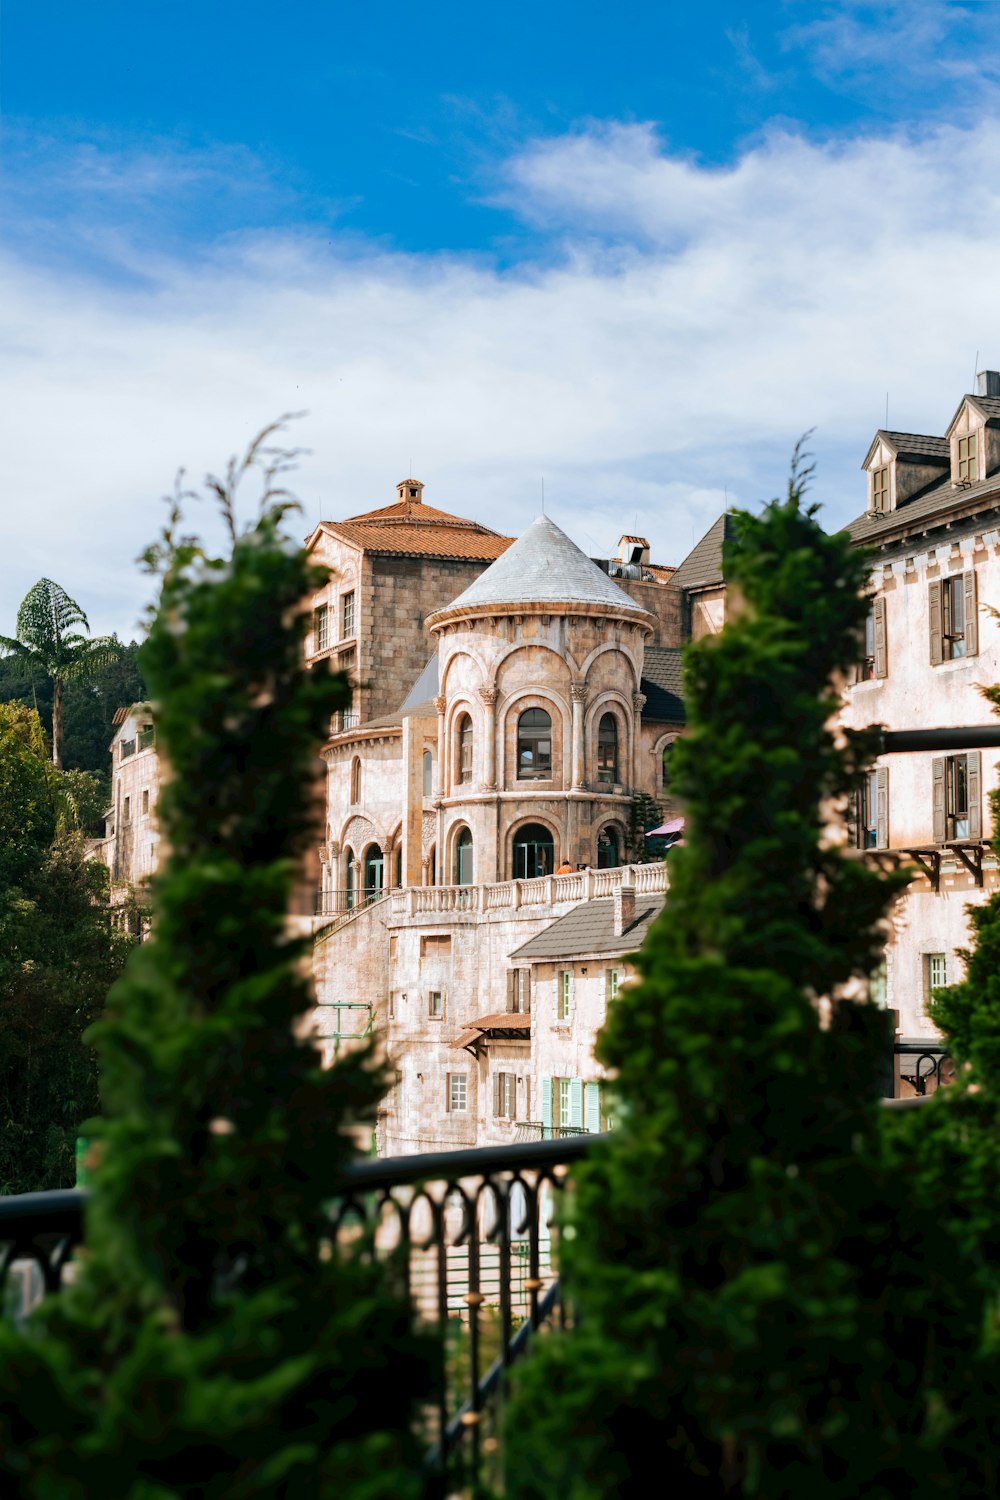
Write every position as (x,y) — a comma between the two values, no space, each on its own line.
(880,489)
(968,465)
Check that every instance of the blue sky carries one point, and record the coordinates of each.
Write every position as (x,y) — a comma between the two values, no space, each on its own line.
(633,250)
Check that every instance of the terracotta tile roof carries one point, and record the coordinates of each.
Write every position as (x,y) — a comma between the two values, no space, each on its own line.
(412,529)
(662,572)
(508,1020)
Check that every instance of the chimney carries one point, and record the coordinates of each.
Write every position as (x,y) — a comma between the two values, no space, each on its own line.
(410,492)
(988,383)
(624,899)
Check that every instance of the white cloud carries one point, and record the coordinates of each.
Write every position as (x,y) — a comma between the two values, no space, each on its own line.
(686,326)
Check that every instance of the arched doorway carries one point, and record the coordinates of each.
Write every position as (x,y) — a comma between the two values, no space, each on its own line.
(374,871)
(609,851)
(463,857)
(533,851)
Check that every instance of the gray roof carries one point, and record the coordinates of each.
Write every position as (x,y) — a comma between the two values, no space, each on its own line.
(661,683)
(543,566)
(988,405)
(703,564)
(932,506)
(590,929)
(425,687)
(918,445)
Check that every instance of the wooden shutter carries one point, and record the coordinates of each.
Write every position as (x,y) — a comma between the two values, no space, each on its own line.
(937,804)
(936,623)
(882,807)
(547,1103)
(881,653)
(973,763)
(576,1103)
(592,1107)
(971,619)
(496,1094)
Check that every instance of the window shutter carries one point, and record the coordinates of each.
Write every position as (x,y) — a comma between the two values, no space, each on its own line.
(973,763)
(513,990)
(576,1103)
(881,654)
(882,807)
(592,1105)
(496,1095)
(854,815)
(971,618)
(547,1103)
(526,990)
(936,624)
(937,772)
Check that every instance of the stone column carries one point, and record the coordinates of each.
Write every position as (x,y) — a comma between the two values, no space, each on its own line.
(638,704)
(489,698)
(578,699)
(439,704)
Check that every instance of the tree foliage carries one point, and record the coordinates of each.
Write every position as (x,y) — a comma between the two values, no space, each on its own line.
(58,957)
(214,1345)
(768,1304)
(52,643)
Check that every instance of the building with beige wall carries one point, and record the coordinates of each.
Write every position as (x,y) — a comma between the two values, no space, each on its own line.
(931,644)
(131,844)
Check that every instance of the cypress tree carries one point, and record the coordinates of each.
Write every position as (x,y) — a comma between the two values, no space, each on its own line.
(215,1344)
(729,1249)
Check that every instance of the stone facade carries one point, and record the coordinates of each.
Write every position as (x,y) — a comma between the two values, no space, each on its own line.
(131,844)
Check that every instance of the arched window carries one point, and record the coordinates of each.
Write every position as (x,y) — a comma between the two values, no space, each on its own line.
(350,892)
(432,866)
(399,867)
(534,745)
(668,751)
(533,851)
(463,858)
(355,781)
(374,871)
(607,750)
(465,748)
(428,774)
(609,855)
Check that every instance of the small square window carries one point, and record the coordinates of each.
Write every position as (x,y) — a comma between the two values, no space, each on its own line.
(435,1004)
(458,1093)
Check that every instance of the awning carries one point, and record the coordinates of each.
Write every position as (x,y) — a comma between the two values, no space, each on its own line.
(676,825)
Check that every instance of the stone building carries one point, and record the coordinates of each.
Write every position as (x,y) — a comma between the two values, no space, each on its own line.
(931,643)
(130,847)
(496,798)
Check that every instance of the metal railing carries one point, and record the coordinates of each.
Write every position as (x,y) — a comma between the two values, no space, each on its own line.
(335,903)
(479,1258)
(343,720)
(922,1065)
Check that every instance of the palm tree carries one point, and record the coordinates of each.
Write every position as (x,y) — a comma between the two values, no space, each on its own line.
(50,646)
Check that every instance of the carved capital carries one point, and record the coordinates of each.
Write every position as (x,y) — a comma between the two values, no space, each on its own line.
(578,692)
(440,703)
(638,702)
(489,695)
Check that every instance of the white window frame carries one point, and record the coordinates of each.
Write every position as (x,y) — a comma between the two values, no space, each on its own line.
(438,1013)
(564,995)
(458,1093)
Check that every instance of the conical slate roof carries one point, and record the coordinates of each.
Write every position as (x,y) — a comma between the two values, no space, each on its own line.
(543,567)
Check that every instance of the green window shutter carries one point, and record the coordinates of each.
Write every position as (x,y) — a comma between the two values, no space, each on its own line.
(882,807)
(973,763)
(936,623)
(937,805)
(576,1103)
(547,1103)
(881,653)
(592,1107)
(971,617)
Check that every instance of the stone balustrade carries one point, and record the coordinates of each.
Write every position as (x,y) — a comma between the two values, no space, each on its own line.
(511,895)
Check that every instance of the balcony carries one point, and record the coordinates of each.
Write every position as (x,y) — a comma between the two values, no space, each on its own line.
(343,721)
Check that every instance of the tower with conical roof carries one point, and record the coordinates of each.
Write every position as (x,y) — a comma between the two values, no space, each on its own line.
(538,714)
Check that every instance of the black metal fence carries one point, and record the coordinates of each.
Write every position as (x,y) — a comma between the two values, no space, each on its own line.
(339,903)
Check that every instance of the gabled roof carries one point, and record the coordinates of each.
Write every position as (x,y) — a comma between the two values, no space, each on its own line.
(507,1026)
(589,929)
(703,565)
(661,683)
(409,528)
(989,406)
(544,567)
(912,447)
(425,688)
